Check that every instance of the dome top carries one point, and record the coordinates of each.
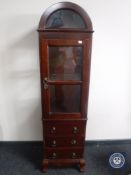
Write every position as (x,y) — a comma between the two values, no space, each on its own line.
(65,16)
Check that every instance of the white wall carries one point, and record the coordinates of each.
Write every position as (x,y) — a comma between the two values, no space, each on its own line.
(110,95)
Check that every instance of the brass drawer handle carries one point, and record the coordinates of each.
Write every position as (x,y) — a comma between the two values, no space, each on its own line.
(75,129)
(73,142)
(53,129)
(53,143)
(54,155)
(73,155)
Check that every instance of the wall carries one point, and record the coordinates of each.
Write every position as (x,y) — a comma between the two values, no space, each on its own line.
(110,96)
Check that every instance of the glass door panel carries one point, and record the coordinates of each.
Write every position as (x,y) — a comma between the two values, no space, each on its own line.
(63,77)
(65,62)
(65,98)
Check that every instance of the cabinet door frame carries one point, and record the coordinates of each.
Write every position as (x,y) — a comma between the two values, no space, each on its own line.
(84,82)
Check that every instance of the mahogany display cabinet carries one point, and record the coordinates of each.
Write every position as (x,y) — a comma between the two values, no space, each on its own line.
(65,39)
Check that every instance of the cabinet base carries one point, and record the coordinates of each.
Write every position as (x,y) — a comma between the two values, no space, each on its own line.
(63,163)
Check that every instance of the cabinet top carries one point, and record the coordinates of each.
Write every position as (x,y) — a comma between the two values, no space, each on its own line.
(65,16)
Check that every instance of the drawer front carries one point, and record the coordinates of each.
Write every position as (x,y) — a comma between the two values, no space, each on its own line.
(64,128)
(63,153)
(64,141)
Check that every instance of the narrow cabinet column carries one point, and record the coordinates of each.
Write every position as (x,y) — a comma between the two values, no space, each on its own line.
(65,37)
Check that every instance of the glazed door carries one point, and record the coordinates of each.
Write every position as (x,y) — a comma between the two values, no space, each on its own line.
(64,68)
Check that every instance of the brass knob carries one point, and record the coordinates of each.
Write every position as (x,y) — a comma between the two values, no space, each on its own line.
(73,155)
(73,142)
(54,155)
(53,129)
(54,143)
(75,129)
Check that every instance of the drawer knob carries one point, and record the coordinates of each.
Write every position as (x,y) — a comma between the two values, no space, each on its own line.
(73,155)
(75,129)
(53,129)
(53,155)
(54,143)
(73,142)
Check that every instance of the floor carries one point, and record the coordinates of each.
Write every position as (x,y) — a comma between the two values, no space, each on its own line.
(24,158)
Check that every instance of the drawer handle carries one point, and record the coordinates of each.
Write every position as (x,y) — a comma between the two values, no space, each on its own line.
(53,143)
(54,155)
(73,142)
(73,155)
(75,129)
(53,129)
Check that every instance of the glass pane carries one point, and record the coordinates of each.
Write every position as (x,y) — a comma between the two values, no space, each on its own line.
(65,98)
(65,63)
(65,19)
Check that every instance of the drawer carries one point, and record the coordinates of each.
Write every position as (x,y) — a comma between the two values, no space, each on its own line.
(64,141)
(64,128)
(63,153)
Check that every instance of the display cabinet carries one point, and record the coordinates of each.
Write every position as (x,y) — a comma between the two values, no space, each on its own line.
(65,37)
